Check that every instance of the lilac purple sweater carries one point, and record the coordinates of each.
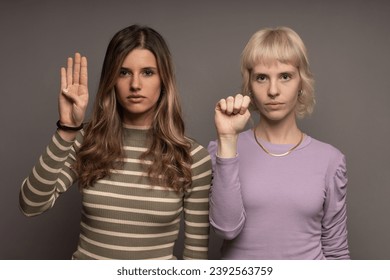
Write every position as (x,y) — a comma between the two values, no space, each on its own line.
(291,207)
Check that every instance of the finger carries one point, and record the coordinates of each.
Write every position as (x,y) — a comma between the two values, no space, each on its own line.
(246,101)
(221,105)
(63,78)
(237,103)
(229,105)
(69,72)
(76,69)
(84,72)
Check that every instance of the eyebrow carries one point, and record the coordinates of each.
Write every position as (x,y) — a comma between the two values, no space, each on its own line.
(143,68)
(279,73)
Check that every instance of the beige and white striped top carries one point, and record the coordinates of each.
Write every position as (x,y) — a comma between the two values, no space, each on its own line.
(123,216)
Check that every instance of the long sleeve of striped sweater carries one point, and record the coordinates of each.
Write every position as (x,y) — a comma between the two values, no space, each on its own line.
(123,215)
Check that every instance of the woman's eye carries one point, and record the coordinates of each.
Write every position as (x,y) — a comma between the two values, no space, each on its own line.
(261,78)
(285,76)
(123,73)
(148,72)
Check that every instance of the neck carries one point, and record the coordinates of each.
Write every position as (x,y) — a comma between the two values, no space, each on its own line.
(137,120)
(140,127)
(278,132)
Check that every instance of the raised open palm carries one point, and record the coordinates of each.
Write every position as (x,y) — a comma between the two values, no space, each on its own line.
(73,99)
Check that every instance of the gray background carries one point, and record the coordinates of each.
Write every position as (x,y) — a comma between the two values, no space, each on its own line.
(348,43)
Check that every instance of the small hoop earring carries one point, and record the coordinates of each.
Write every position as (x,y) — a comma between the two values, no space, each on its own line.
(300,93)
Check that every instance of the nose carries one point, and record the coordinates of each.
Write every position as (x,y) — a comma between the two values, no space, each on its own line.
(135,83)
(273,90)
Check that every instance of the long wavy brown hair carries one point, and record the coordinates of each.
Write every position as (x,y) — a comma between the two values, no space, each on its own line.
(102,146)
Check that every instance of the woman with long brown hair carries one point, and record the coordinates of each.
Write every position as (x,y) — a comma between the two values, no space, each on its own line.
(136,169)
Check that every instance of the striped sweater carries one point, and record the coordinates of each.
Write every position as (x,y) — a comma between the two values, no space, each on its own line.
(123,216)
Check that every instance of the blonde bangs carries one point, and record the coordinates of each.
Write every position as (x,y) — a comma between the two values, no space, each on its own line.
(269,47)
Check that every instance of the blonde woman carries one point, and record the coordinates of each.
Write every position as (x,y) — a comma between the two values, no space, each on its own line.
(277,192)
(136,169)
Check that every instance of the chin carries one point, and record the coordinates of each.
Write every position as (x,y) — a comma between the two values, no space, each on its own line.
(274,117)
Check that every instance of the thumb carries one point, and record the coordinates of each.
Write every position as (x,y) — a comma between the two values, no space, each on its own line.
(67,94)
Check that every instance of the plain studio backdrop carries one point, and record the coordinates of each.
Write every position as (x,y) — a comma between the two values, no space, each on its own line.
(348,44)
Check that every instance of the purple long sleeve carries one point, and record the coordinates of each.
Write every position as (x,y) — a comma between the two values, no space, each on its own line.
(291,207)
(230,212)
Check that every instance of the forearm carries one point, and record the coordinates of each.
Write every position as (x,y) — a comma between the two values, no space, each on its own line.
(49,177)
(334,222)
(196,224)
(196,208)
(67,135)
(336,248)
(227,214)
(196,239)
(335,236)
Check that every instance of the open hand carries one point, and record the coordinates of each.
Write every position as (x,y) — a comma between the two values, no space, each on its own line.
(73,98)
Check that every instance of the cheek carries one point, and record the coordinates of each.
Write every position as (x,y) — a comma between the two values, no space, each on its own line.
(258,95)
(294,94)
(156,90)
(256,102)
(258,88)
(120,89)
(156,97)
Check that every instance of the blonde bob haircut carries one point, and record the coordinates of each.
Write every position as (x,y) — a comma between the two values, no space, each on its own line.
(284,45)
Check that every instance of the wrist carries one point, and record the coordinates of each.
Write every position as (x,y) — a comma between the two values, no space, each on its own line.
(228,137)
(63,127)
(227,146)
(68,133)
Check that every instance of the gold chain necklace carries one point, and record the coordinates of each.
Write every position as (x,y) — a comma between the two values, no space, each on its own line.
(277,155)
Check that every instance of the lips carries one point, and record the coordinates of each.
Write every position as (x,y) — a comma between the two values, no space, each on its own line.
(135,98)
(274,106)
